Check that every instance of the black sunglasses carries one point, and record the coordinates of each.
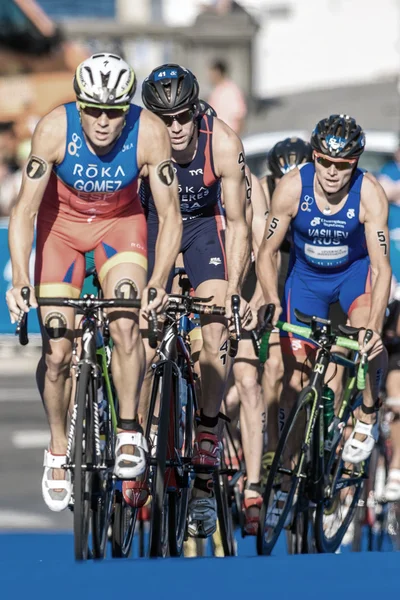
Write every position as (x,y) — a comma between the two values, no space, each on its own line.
(96,112)
(340,166)
(182,118)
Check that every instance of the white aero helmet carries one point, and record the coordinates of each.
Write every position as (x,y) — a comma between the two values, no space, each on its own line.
(105,79)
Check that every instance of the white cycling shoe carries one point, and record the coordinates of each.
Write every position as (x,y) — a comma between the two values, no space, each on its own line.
(130,466)
(391,492)
(56,492)
(355,451)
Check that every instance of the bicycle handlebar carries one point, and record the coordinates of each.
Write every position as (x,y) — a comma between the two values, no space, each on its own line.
(176,304)
(305,332)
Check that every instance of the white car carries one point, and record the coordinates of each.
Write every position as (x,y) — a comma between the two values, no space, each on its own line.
(379,148)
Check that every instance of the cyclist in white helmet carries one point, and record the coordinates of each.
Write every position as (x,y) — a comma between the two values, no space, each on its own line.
(81,180)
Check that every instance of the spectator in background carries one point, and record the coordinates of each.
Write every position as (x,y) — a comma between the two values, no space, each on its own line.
(226,97)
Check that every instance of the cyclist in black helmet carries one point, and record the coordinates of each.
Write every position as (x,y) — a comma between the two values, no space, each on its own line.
(282,158)
(207,155)
(338,219)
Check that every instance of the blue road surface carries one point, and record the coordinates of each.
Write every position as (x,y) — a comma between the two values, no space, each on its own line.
(42,566)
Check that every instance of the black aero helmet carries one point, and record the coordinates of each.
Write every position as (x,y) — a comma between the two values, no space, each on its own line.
(169,88)
(338,136)
(207,109)
(288,154)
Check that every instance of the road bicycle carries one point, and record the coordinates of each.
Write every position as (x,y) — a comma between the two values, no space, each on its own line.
(308,483)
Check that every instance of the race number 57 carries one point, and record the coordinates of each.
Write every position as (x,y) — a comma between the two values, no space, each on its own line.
(382,241)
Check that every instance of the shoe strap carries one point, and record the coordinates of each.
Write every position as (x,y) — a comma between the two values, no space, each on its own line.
(253,502)
(54,461)
(365,428)
(131,438)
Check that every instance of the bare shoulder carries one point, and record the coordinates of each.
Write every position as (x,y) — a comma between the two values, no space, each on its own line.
(50,135)
(287,193)
(151,126)
(373,200)
(227,149)
(224,138)
(153,143)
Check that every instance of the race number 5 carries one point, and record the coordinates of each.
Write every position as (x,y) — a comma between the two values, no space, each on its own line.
(272,227)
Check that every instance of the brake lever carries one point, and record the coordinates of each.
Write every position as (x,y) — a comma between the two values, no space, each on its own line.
(153,325)
(235,337)
(22,323)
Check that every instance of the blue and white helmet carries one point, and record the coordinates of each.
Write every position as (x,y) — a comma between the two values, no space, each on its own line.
(105,79)
(338,136)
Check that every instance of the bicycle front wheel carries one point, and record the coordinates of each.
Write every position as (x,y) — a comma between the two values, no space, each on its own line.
(344,484)
(287,468)
(179,499)
(124,521)
(84,453)
(103,484)
(158,544)
(223,496)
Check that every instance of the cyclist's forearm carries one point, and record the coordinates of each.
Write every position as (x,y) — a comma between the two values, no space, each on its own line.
(238,252)
(20,241)
(379,298)
(168,246)
(267,274)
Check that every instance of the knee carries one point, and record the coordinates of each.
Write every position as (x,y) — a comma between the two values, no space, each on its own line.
(125,334)
(273,368)
(293,382)
(58,361)
(215,338)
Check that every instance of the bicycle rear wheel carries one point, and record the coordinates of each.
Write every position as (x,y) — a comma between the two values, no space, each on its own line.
(300,536)
(84,454)
(285,473)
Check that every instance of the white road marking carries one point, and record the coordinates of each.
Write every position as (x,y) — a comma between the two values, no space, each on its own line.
(31,438)
(15,519)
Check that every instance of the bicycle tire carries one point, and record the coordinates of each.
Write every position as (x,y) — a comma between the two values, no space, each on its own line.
(103,490)
(159,506)
(325,508)
(124,522)
(83,457)
(264,545)
(299,537)
(224,510)
(179,499)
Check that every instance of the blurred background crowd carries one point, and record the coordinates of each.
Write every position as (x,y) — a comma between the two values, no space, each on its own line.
(270,68)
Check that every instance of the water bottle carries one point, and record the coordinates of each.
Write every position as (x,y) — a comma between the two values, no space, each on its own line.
(182,408)
(328,397)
